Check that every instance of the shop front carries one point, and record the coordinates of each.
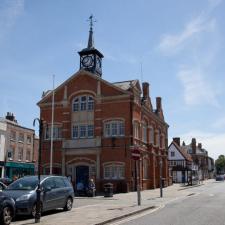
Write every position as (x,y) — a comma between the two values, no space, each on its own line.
(17,170)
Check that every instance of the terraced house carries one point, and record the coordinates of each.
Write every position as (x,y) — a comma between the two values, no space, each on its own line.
(17,149)
(96,124)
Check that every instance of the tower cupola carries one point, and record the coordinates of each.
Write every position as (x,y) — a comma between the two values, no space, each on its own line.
(90,57)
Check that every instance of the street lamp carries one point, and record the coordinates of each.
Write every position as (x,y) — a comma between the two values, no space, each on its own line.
(38,191)
(161,179)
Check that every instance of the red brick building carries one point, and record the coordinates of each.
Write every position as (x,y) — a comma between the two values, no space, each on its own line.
(96,123)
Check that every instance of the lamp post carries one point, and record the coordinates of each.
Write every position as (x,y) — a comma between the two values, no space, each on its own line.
(161,180)
(38,191)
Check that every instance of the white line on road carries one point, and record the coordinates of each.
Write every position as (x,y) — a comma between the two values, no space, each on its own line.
(137,216)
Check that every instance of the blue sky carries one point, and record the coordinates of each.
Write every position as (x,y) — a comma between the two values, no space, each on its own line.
(179,43)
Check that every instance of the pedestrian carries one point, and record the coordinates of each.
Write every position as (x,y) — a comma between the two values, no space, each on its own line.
(91,188)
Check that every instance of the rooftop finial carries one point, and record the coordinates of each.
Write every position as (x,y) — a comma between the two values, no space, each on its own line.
(91,38)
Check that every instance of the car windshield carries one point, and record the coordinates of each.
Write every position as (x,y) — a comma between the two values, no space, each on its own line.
(28,183)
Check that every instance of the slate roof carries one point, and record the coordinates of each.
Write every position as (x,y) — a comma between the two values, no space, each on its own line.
(125,85)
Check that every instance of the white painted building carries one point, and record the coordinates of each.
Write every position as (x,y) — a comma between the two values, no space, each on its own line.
(180,162)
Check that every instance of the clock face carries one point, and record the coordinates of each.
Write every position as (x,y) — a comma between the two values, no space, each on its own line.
(98,64)
(87,61)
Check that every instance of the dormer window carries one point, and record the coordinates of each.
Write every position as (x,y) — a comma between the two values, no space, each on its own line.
(83,103)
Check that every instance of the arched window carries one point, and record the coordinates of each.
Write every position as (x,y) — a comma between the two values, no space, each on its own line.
(90,103)
(76,104)
(83,103)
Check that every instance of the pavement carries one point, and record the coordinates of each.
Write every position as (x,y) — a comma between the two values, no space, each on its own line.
(100,210)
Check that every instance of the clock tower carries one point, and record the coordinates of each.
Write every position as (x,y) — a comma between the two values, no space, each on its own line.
(90,57)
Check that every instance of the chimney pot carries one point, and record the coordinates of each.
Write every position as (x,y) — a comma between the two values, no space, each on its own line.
(145,89)
(177,140)
(193,145)
(158,103)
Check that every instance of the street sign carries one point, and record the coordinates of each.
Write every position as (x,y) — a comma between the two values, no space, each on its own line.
(136,154)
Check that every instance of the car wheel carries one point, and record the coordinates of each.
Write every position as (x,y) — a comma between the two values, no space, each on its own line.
(69,204)
(33,211)
(7,215)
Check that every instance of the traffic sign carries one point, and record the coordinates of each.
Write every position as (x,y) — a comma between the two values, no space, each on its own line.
(136,154)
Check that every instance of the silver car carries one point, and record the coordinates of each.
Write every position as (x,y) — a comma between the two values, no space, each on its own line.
(57,192)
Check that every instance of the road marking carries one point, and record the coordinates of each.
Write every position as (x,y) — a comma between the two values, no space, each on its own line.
(211,195)
(137,216)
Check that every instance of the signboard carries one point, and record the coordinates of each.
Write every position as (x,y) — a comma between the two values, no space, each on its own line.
(135,154)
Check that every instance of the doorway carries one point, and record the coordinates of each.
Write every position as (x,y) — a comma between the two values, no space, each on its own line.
(82,175)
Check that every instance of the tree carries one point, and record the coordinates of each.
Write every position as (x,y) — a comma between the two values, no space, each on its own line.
(220,164)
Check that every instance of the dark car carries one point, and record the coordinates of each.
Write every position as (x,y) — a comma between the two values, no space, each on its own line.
(2,186)
(6,181)
(7,209)
(220,177)
(57,192)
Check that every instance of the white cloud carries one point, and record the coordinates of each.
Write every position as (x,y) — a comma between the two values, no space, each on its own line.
(173,43)
(214,143)
(197,90)
(10,11)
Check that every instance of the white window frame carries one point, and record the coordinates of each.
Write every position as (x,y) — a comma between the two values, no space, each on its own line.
(114,171)
(87,131)
(82,131)
(90,103)
(83,103)
(144,132)
(20,154)
(21,137)
(151,135)
(57,132)
(114,128)
(75,130)
(76,104)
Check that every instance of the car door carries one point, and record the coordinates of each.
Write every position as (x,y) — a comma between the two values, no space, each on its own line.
(49,194)
(61,192)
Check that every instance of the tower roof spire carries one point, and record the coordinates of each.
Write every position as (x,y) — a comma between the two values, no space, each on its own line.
(91,37)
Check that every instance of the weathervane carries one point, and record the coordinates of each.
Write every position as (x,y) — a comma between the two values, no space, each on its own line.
(91,20)
(91,38)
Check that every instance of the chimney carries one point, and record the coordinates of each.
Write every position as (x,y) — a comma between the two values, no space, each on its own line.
(177,140)
(200,145)
(10,116)
(158,104)
(145,89)
(193,145)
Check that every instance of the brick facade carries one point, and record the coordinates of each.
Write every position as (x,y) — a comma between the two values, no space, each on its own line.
(106,157)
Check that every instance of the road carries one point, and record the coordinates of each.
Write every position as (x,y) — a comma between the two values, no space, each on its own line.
(205,206)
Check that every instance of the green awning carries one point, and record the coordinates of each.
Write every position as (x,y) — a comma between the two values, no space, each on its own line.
(20,165)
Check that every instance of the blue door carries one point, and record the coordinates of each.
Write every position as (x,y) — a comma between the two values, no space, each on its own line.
(82,175)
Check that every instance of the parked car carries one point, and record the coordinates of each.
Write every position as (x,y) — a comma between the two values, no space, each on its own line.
(2,186)
(57,192)
(220,177)
(6,181)
(7,209)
